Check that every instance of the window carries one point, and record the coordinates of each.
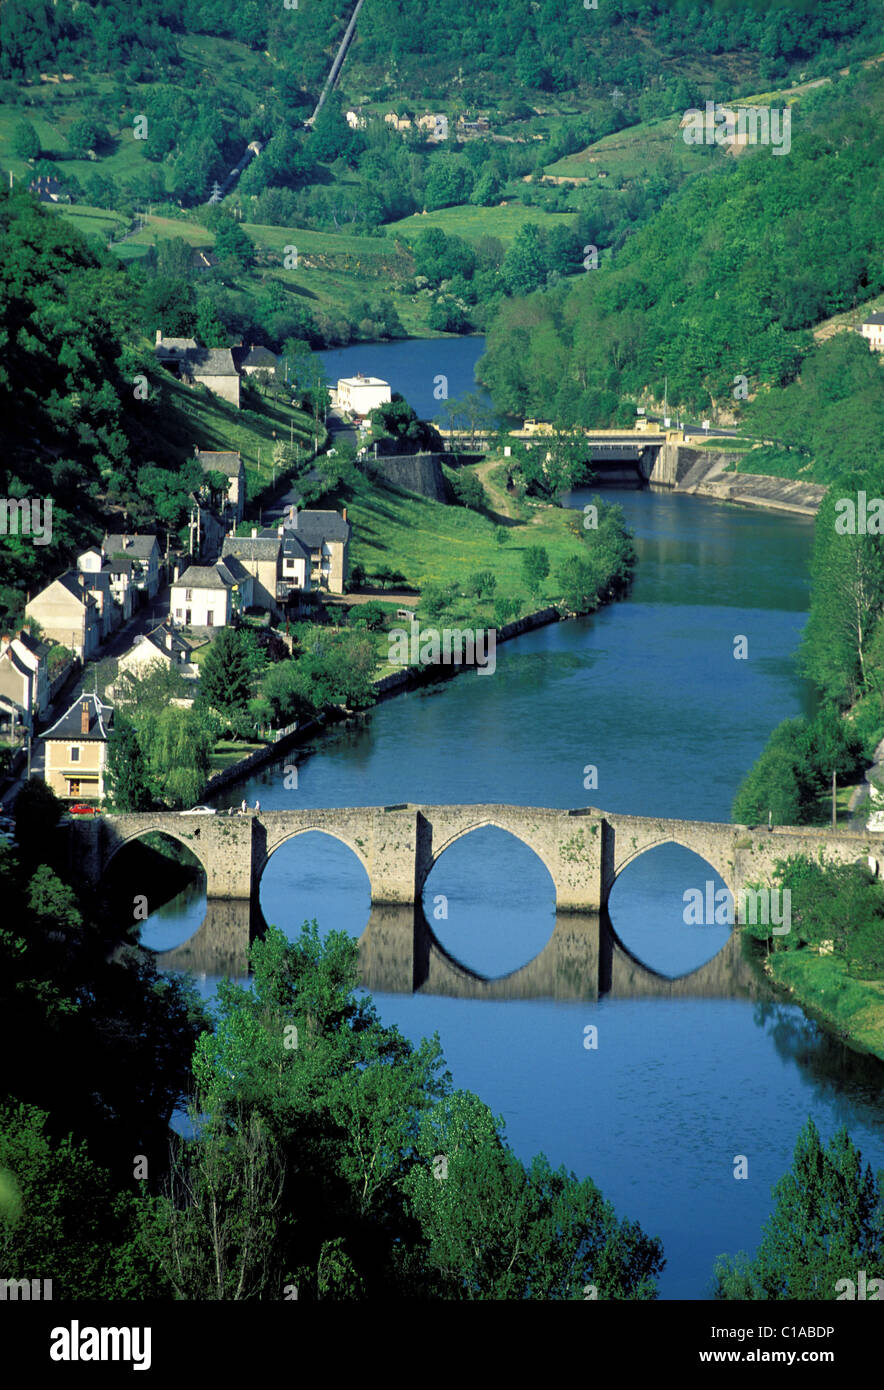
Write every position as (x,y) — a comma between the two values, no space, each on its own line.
(75,754)
(210,618)
(179,612)
(188,595)
(73,786)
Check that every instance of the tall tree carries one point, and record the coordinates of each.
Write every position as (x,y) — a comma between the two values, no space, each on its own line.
(827,1225)
(226,675)
(128,782)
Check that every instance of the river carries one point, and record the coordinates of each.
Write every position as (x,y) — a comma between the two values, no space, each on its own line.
(649,692)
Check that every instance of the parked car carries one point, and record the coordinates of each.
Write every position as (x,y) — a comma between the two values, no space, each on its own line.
(200,811)
(81,809)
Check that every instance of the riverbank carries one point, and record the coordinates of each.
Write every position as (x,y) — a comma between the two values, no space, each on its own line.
(708,474)
(852,1009)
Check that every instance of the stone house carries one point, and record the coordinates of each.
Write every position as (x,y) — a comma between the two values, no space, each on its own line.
(76,750)
(24,679)
(259,555)
(324,537)
(162,647)
(191,363)
(68,613)
(232,466)
(254,359)
(873,329)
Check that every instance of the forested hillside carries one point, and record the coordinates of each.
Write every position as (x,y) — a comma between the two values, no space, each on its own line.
(726,280)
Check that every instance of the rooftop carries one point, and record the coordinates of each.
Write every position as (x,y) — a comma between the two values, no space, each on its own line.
(130,546)
(225,462)
(69,726)
(261,547)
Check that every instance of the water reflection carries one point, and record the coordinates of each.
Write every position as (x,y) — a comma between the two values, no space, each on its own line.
(399,953)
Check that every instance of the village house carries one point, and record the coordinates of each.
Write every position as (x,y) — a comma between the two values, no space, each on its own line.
(205,595)
(68,613)
(76,750)
(231,465)
(259,555)
(873,329)
(321,553)
(24,679)
(163,648)
(254,359)
(360,394)
(143,553)
(191,363)
(91,567)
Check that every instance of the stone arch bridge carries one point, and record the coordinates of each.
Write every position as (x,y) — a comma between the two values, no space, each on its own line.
(584,850)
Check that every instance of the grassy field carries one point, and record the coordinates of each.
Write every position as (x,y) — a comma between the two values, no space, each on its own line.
(433,543)
(226,753)
(627,153)
(473,223)
(854,1007)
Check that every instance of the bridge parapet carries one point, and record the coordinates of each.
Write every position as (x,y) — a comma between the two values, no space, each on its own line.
(584,850)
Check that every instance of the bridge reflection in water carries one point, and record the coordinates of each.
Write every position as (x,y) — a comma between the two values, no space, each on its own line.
(398,954)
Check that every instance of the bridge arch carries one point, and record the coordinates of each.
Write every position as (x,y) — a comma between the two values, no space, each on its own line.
(484,823)
(319,828)
(121,841)
(725,871)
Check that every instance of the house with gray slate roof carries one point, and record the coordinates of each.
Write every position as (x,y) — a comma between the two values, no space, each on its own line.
(325,537)
(76,749)
(191,363)
(205,595)
(260,556)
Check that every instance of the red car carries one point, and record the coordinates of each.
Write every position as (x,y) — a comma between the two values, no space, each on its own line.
(81,809)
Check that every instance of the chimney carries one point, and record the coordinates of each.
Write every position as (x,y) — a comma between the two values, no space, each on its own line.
(84,717)
(159,336)
(254,532)
(344,513)
(5,641)
(169,640)
(280,530)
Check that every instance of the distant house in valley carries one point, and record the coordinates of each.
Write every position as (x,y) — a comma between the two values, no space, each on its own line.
(69,613)
(203,259)
(76,749)
(191,363)
(873,329)
(47,189)
(231,465)
(204,595)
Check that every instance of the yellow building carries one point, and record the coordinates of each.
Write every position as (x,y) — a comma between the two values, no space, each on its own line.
(76,750)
